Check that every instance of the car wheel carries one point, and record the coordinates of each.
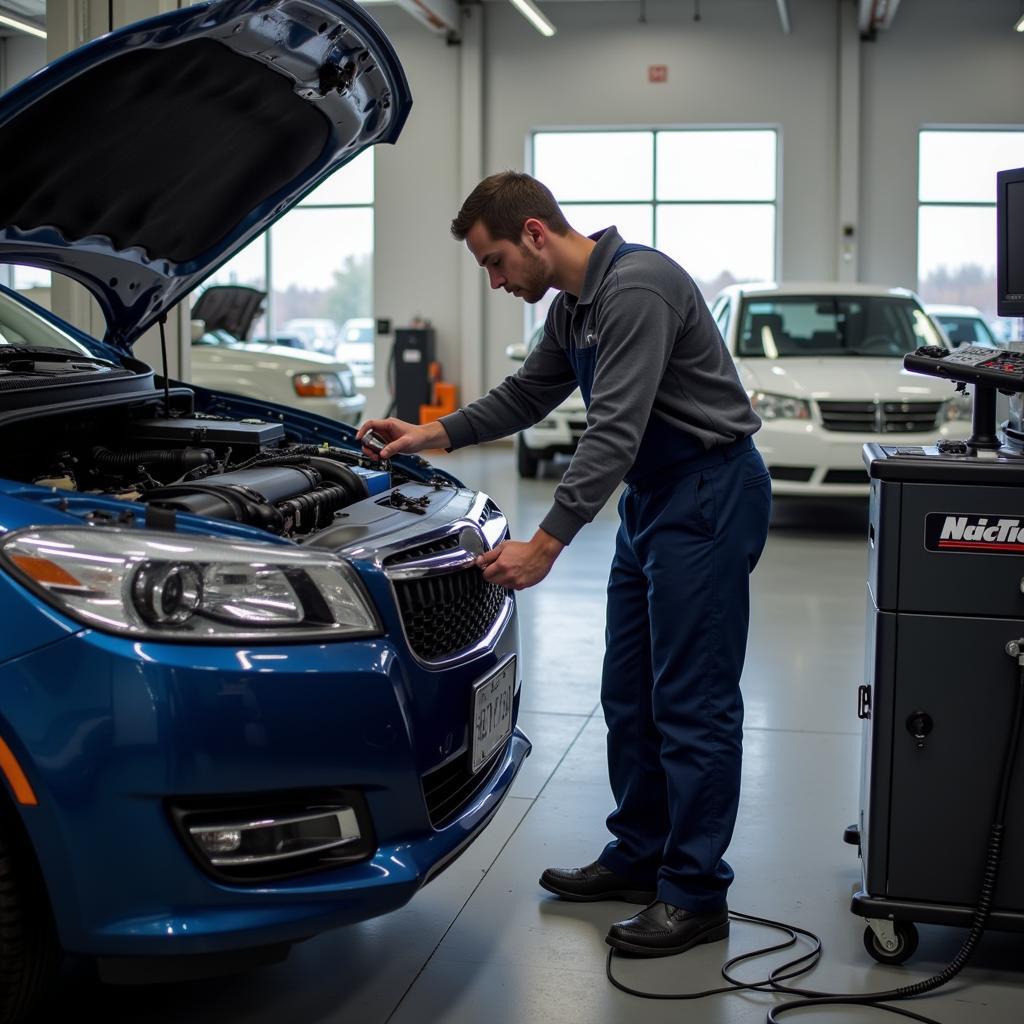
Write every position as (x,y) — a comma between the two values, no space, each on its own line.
(527,463)
(29,953)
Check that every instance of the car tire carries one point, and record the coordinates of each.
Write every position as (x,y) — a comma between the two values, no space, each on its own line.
(526,462)
(29,953)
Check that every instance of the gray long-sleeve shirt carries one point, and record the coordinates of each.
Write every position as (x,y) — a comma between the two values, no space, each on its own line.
(659,353)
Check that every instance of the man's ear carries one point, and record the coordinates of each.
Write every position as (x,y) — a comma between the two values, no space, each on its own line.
(535,232)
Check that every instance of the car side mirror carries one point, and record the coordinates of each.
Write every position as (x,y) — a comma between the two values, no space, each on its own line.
(516,352)
(198,330)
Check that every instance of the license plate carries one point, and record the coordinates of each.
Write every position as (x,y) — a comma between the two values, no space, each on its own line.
(491,721)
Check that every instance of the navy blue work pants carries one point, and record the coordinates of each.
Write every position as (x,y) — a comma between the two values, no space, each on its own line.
(678,609)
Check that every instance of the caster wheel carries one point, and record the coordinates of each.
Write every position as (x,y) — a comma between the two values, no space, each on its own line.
(906,944)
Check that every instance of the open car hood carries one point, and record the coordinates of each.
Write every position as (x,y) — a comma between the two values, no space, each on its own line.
(261,101)
(229,307)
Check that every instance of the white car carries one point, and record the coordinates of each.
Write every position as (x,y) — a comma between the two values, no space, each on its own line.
(315,333)
(355,347)
(963,325)
(823,365)
(222,360)
(558,433)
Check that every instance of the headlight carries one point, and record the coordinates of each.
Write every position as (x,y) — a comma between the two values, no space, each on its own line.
(170,586)
(779,407)
(957,408)
(317,385)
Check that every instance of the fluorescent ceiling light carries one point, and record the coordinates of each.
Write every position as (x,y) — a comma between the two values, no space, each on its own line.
(22,26)
(528,9)
(1020,24)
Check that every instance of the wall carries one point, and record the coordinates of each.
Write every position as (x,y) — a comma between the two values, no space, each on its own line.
(20,55)
(944,62)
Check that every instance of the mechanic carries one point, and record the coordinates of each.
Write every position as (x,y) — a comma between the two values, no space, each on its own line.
(667,415)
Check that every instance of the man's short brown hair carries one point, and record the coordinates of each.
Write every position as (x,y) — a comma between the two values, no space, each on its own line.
(504,202)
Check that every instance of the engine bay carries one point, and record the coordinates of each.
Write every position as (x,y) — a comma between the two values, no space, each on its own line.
(247,471)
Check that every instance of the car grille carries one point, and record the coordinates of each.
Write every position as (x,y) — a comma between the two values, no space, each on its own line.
(450,788)
(798,474)
(446,614)
(449,543)
(845,476)
(446,609)
(880,417)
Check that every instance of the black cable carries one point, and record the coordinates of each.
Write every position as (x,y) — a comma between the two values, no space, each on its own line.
(874,1000)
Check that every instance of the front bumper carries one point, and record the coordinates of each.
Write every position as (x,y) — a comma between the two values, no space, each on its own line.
(806,460)
(344,410)
(112,733)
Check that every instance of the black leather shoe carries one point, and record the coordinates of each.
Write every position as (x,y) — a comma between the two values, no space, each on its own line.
(592,883)
(663,930)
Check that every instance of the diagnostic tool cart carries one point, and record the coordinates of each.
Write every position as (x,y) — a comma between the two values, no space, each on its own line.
(944,648)
(946,597)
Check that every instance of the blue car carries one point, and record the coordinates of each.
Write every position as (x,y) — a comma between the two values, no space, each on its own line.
(252,684)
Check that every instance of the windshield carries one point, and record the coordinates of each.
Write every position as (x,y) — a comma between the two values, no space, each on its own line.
(966,330)
(833,325)
(21,327)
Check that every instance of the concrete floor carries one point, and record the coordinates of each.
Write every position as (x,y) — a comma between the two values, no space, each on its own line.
(484,944)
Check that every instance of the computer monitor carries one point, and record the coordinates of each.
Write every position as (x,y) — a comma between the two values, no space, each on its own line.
(1010,242)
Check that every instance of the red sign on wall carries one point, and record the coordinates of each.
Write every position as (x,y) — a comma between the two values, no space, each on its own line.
(657,73)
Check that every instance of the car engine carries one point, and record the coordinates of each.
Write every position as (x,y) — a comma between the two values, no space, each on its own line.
(245,471)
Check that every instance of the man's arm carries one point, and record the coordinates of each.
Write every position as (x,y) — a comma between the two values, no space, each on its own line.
(544,380)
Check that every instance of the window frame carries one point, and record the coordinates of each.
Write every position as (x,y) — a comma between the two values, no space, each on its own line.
(948,203)
(654,202)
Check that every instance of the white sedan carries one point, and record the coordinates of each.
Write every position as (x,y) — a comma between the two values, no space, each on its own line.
(224,361)
(306,380)
(823,366)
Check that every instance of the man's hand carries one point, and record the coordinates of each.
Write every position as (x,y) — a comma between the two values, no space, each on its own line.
(516,565)
(404,438)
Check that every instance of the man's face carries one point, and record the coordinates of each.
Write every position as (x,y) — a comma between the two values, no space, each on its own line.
(516,267)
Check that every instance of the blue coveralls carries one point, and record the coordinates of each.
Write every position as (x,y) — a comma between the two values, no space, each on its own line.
(693,525)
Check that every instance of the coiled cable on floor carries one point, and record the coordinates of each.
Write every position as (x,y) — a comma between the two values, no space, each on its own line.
(875,1000)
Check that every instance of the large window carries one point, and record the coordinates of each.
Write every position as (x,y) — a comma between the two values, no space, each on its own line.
(316,266)
(707,198)
(956,217)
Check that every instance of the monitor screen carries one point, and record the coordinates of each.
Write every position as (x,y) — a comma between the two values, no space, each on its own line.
(1010,242)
